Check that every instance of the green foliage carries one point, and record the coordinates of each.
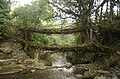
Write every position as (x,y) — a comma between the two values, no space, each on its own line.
(4,16)
(38,15)
(34,15)
(39,38)
(78,39)
(63,39)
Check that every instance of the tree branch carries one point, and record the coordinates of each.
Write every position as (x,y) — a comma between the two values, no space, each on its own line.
(66,11)
(104,1)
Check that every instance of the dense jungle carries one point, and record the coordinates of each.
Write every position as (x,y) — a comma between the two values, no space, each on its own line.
(60,39)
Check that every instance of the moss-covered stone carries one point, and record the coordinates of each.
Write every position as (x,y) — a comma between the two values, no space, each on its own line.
(9,68)
(90,75)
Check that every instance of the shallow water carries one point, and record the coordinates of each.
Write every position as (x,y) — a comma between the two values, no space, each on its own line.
(53,73)
(40,74)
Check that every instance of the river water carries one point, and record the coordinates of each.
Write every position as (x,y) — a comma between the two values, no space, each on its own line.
(51,73)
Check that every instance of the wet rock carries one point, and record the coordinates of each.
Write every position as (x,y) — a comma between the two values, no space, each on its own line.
(67,65)
(115,77)
(118,52)
(89,75)
(102,77)
(79,76)
(5,48)
(8,62)
(9,50)
(28,62)
(114,63)
(9,69)
(80,70)
(102,72)
(11,72)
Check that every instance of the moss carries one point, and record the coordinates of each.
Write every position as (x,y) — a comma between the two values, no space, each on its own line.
(31,53)
(47,63)
(88,56)
(115,57)
(9,68)
(90,75)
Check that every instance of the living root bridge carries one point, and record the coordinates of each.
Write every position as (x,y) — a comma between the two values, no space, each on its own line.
(84,47)
(63,48)
(52,31)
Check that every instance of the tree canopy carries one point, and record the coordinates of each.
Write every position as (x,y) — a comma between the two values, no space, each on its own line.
(89,14)
(32,15)
(35,15)
(87,20)
(4,16)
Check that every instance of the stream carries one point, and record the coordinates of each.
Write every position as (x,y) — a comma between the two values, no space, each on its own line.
(60,69)
(39,74)
(52,73)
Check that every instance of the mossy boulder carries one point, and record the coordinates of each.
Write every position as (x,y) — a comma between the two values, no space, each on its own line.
(10,68)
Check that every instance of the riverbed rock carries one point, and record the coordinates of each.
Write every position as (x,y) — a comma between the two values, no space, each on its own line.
(89,75)
(102,77)
(10,69)
(8,62)
(10,50)
(5,48)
